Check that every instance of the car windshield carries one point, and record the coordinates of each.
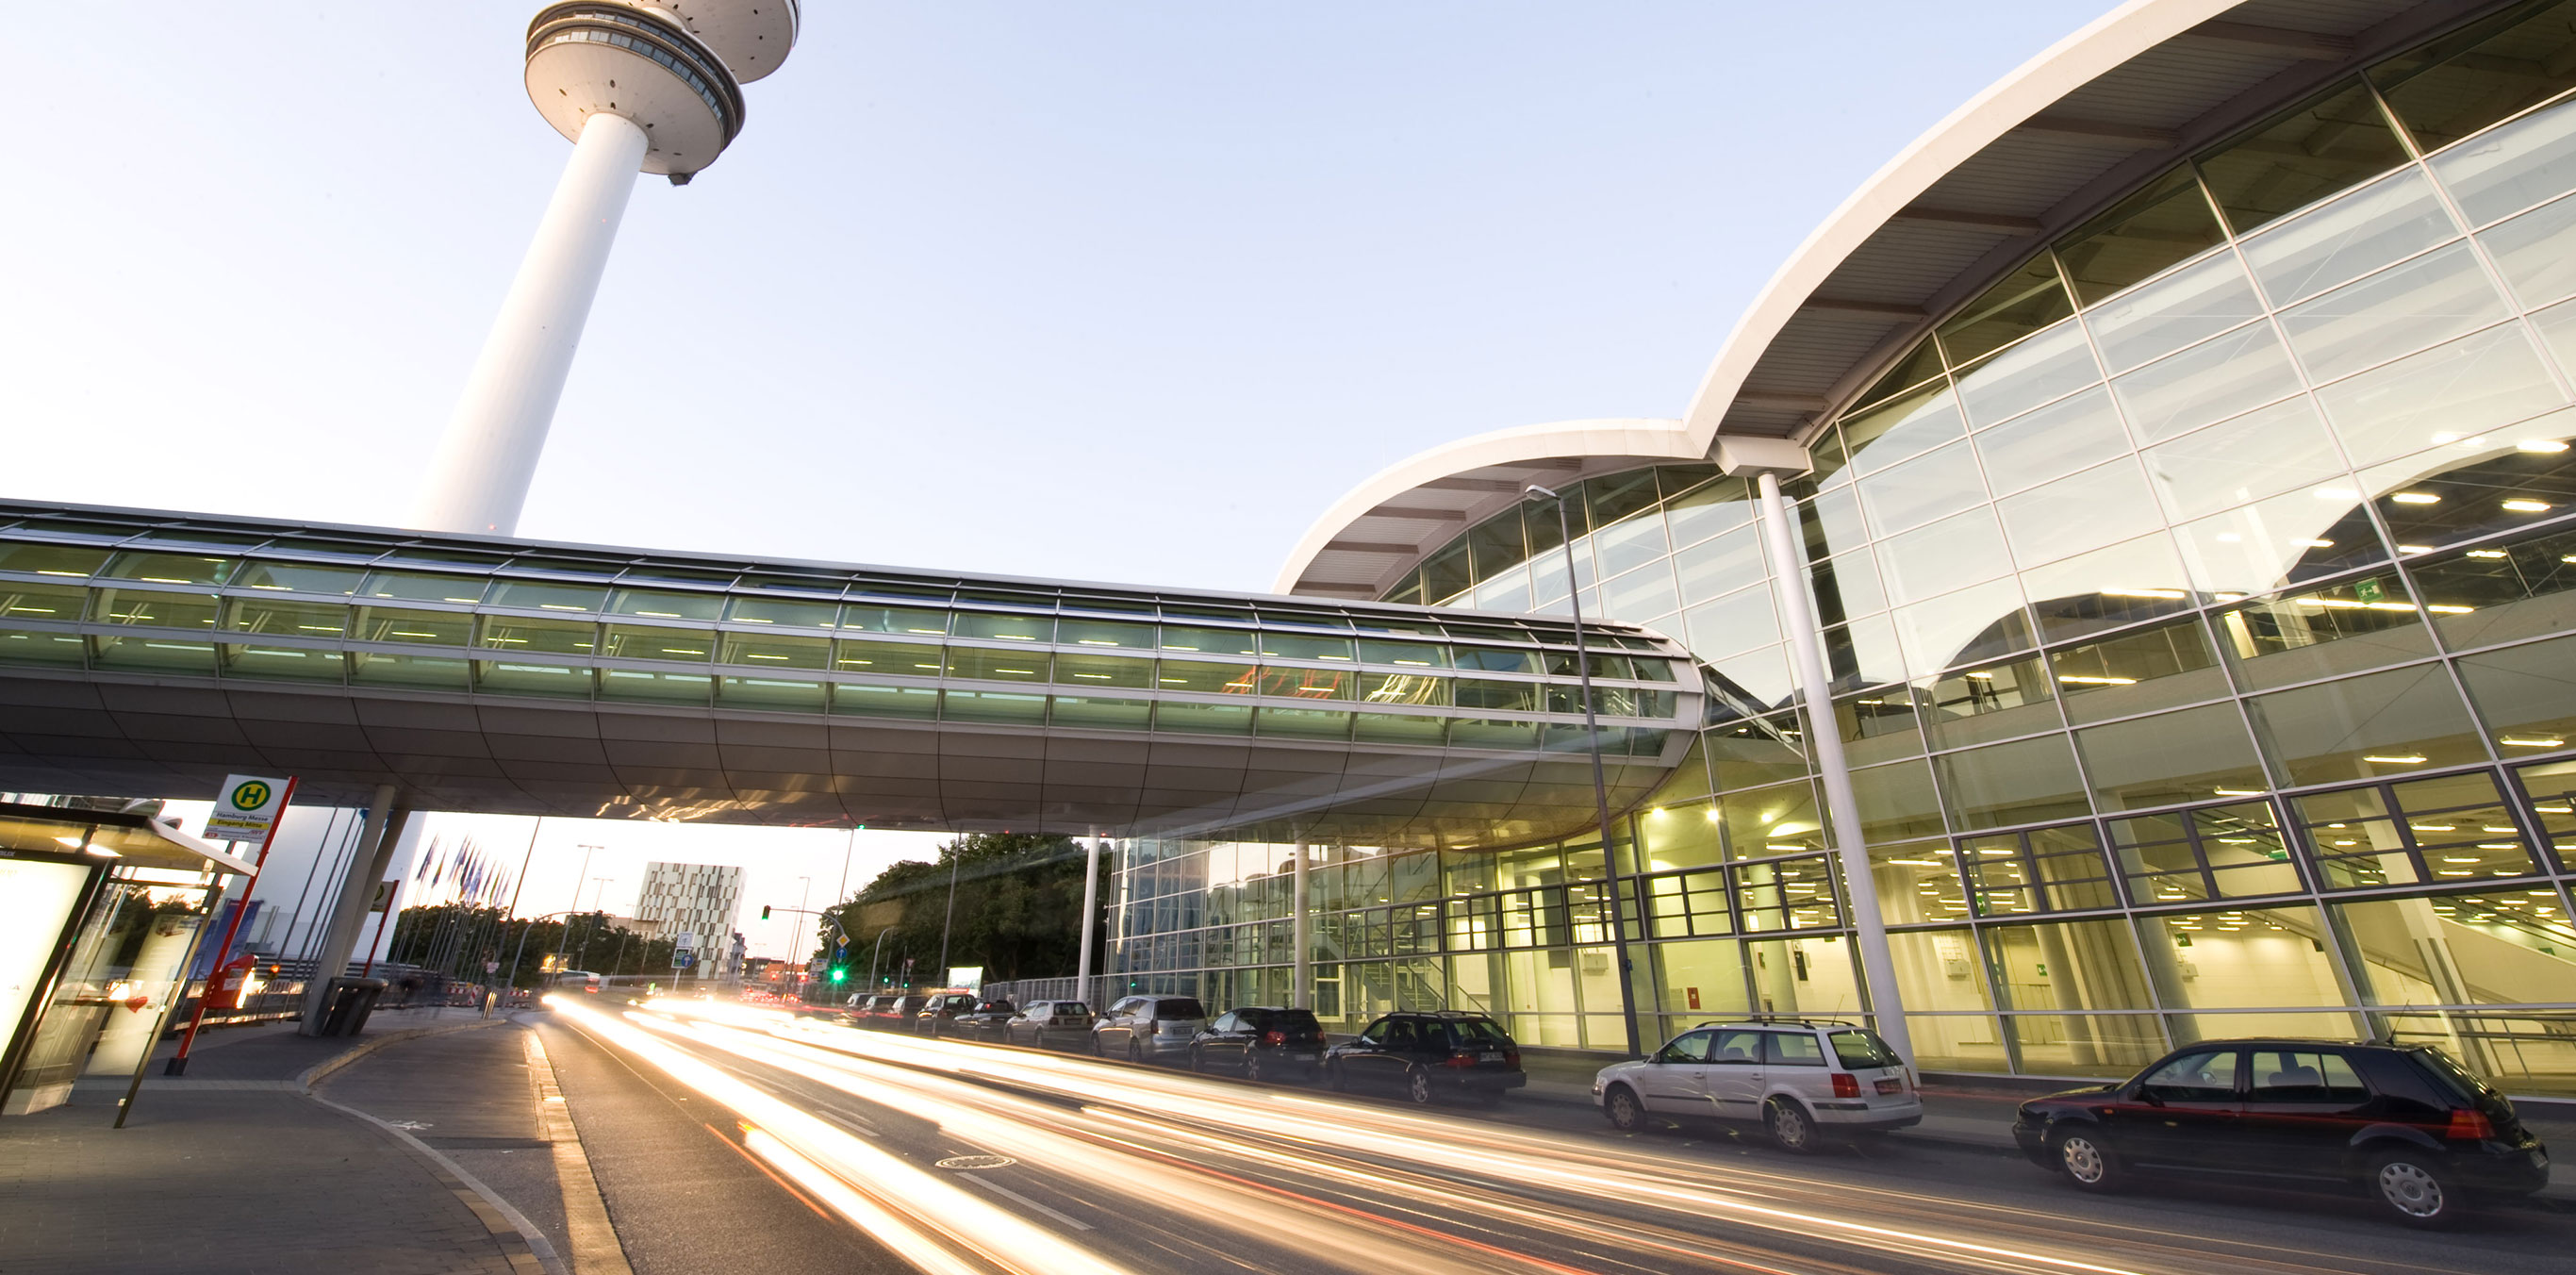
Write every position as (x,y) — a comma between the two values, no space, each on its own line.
(1477,1033)
(1290,1020)
(1858,1049)
(1071,1007)
(1180,1007)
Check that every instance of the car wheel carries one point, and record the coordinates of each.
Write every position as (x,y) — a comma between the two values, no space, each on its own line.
(2085,1157)
(1789,1125)
(1135,1051)
(1252,1066)
(1626,1114)
(2414,1188)
(1198,1062)
(1336,1079)
(1096,1050)
(1417,1086)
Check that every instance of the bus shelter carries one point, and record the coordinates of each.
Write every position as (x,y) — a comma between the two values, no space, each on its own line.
(100,915)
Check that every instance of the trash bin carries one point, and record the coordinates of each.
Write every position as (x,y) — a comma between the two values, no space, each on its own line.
(352,999)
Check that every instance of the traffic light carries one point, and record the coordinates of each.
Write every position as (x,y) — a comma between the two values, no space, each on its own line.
(840,974)
(764,911)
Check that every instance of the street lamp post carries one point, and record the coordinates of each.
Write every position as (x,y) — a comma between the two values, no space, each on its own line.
(586,852)
(1600,784)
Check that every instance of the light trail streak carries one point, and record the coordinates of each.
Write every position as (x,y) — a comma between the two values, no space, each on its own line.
(910,1211)
(1410,1140)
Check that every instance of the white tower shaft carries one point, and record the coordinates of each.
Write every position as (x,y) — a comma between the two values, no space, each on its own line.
(479,481)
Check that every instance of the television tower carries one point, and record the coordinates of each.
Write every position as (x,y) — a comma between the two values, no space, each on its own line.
(651,86)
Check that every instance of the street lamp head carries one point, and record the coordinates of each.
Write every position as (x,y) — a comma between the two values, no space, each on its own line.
(1536,492)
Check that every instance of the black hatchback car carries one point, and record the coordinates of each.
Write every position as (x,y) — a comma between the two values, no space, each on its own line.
(2406,1124)
(1264,1042)
(1428,1055)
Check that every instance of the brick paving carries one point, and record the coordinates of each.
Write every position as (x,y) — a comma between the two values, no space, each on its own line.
(233,1169)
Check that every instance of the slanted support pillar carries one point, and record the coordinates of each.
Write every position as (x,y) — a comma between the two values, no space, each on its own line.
(367,863)
(1090,914)
(1765,460)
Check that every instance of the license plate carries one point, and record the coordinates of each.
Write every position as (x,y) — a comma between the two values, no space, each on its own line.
(1891,1086)
(1491,1055)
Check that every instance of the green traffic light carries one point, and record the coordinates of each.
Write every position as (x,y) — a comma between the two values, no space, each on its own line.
(840,975)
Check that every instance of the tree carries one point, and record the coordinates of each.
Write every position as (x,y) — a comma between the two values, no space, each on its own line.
(1018,910)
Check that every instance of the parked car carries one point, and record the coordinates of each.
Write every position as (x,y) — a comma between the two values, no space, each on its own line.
(1802,1079)
(1144,1028)
(2404,1123)
(940,1010)
(989,1020)
(1264,1042)
(894,1012)
(1425,1056)
(1046,1023)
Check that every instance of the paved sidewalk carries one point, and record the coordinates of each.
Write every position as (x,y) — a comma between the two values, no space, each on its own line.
(233,1169)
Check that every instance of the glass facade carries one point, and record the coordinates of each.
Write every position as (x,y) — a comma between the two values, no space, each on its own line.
(2196,603)
(91,590)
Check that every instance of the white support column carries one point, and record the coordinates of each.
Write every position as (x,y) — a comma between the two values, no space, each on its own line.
(1090,913)
(479,480)
(1302,934)
(1815,687)
(367,863)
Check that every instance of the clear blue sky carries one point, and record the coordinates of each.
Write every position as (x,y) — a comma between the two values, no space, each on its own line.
(1122,291)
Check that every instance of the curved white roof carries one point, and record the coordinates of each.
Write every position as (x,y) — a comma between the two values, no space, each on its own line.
(2074,127)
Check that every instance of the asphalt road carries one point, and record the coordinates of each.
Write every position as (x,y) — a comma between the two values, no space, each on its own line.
(785,1145)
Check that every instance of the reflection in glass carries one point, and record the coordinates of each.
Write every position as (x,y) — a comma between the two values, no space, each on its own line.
(2502,592)
(2190,306)
(2344,628)
(2021,782)
(2166,221)
(1947,555)
(2536,252)
(1907,427)
(2357,234)
(1973,624)
(2048,366)
(2210,382)
(2526,695)
(1996,702)
(2027,300)
(2299,536)
(2079,512)
(2057,439)
(2301,156)
(2452,87)
(1921,490)
(2400,722)
(2120,585)
(2405,308)
(2261,453)
(2514,167)
(2445,394)
(2191,755)
(2163,667)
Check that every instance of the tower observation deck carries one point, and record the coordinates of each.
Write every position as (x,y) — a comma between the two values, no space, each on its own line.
(638,86)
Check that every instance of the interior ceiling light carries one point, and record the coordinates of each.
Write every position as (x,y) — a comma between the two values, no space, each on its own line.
(2416,498)
(2541,445)
(2527,506)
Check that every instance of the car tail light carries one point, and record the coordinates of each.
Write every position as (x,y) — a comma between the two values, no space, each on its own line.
(1512,1056)
(1459,1060)
(1846,1086)
(1274,1038)
(2470,1126)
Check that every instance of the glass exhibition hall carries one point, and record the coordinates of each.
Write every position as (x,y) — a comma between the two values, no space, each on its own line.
(2195,587)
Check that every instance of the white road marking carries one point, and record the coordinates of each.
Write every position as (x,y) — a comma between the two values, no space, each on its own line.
(1074,1222)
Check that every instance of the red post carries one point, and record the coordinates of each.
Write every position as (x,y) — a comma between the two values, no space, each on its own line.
(382,919)
(188,1039)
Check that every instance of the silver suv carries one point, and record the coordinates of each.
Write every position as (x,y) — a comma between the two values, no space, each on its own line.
(1803,1078)
(1144,1028)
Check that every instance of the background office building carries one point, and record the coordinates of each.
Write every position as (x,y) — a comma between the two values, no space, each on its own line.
(700,900)
(2187,532)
